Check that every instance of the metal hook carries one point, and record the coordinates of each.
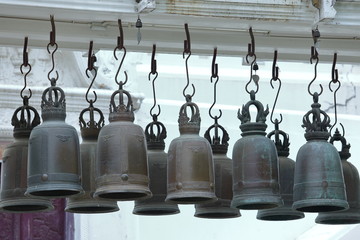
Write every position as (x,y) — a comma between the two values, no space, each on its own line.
(91,61)
(154,72)
(275,101)
(52,43)
(120,46)
(314,56)
(275,69)
(337,88)
(334,72)
(25,64)
(256,80)
(214,75)
(251,46)
(187,49)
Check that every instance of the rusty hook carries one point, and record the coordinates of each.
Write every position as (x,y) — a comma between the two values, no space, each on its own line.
(91,61)
(314,56)
(187,49)
(275,69)
(120,46)
(154,72)
(337,88)
(52,43)
(25,64)
(251,46)
(275,101)
(214,75)
(334,72)
(187,43)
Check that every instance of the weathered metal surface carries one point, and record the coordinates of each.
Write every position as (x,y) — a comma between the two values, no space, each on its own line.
(255,163)
(122,155)
(190,169)
(351,177)
(54,156)
(319,181)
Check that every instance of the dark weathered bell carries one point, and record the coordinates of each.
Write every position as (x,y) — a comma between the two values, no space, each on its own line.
(255,163)
(14,165)
(190,170)
(121,154)
(286,172)
(223,178)
(54,156)
(319,182)
(155,133)
(87,203)
(351,177)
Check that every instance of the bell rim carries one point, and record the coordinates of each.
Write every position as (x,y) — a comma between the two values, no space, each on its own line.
(97,206)
(60,191)
(46,203)
(192,197)
(216,212)
(132,194)
(279,214)
(257,202)
(350,216)
(320,205)
(155,209)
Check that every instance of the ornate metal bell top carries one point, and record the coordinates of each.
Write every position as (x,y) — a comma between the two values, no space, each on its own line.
(29,118)
(247,127)
(189,124)
(53,106)
(218,145)
(91,129)
(155,133)
(124,111)
(316,127)
(282,147)
(345,148)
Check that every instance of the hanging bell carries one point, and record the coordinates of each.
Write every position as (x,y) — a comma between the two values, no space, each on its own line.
(255,163)
(318,182)
(351,177)
(14,165)
(223,178)
(155,133)
(286,172)
(89,132)
(190,178)
(121,155)
(54,157)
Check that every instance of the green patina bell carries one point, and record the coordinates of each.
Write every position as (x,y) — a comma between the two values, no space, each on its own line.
(286,172)
(255,163)
(15,162)
(351,177)
(223,178)
(89,132)
(155,133)
(319,181)
(121,154)
(190,170)
(54,157)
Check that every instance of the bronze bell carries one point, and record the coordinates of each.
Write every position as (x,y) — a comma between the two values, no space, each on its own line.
(14,165)
(286,172)
(121,154)
(89,131)
(223,178)
(351,177)
(190,168)
(155,133)
(255,163)
(54,157)
(319,182)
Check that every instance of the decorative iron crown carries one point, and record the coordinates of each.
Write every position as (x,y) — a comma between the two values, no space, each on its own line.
(282,147)
(155,133)
(91,128)
(53,104)
(218,144)
(189,124)
(29,118)
(121,112)
(345,148)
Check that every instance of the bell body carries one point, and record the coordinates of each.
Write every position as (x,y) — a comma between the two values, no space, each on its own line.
(255,172)
(352,215)
(223,181)
(122,162)
(285,212)
(190,176)
(86,203)
(319,182)
(156,205)
(54,160)
(14,181)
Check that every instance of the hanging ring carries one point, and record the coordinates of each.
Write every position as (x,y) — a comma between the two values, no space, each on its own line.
(251,46)
(251,78)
